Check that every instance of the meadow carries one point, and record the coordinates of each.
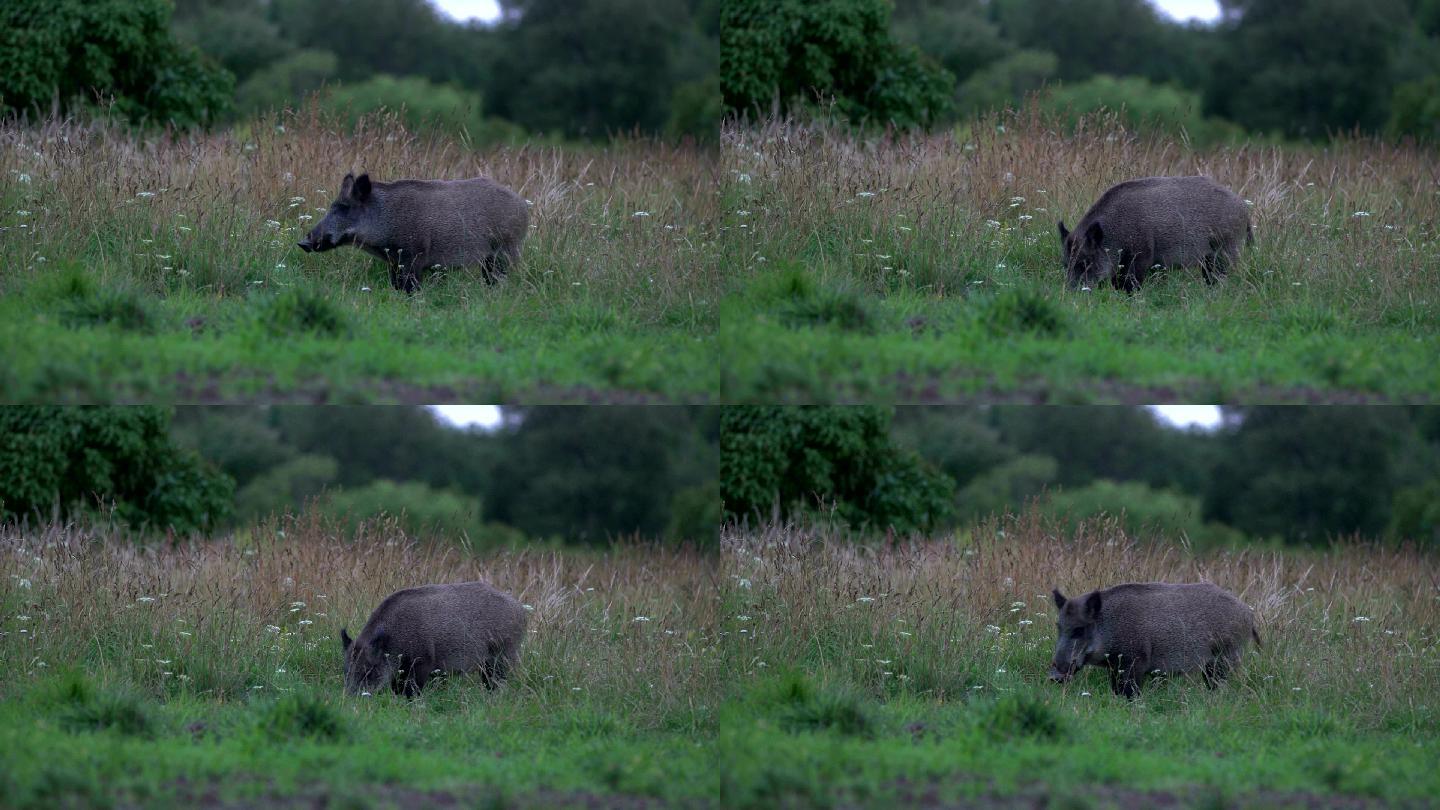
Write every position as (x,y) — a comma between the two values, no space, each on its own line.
(209,672)
(913,673)
(163,267)
(913,267)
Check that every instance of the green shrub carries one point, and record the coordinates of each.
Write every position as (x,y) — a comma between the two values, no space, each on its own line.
(799,51)
(799,705)
(420,509)
(800,299)
(79,706)
(1141,104)
(803,458)
(1143,509)
(301,310)
(422,105)
(278,85)
(1416,514)
(1022,714)
(1415,109)
(75,51)
(301,716)
(82,459)
(1023,311)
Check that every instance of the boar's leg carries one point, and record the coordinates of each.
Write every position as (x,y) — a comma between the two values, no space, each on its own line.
(1126,676)
(1130,269)
(417,672)
(405,275)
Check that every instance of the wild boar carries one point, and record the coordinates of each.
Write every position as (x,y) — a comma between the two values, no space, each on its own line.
(417,633)
(1139,629)
(1152,222)
(416,225)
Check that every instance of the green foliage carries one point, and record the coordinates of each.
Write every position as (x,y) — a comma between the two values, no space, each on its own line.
(587,68)
(302,715)
(1023,714)
(1143,105)
(798,298)
(1023,311)
(80,706)
(1006,81)
(420,508)
(284,82)
(300,310)
(1306,69)
(286,486)
(695,109)
(1416,514)
(695,515)
(422,105)
(1307,474)
(956,34)
(80,300)
(797,704)
(794,53)
(1415,109)
(1163,513)
(83,52)
(1006,487)
(77,460)
(590,474)
(789,460)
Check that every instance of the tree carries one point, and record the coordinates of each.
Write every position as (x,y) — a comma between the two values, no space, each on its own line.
(792,53)
(1305,68)
(82,53)
(589,474)
(794,460)
(1307,474)
(80,460)
(586,68)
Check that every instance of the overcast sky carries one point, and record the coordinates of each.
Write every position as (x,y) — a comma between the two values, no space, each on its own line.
(489,9)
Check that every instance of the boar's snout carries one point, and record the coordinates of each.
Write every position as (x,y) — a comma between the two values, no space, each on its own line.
(304,244)
(1059,675)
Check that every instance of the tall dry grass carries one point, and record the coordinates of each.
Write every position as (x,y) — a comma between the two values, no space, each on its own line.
(1354,630)
(1355,221)
(625,628)
(626,224)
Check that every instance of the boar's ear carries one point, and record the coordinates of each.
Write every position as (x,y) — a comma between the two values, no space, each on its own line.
(361,191)
(1064,231)
(1059,597)
(347,184)
(1094,235)
(1092,606)
(345,640)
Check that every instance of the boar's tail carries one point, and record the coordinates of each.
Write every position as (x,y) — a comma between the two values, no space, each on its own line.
(1255,634)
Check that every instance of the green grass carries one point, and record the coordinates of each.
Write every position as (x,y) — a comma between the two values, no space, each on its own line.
(929,268)
(457,739)
(915,673)
(166,270)
(1092,749)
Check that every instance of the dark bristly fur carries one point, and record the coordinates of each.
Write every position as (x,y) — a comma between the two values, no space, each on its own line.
(1138,629)
(418,632)
(1156,222)
(415,225)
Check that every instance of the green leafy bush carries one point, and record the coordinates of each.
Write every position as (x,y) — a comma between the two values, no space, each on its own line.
(797,52)
(422,105)
(420,509)
(1143,105)
(283,82)
(80,52)
(1416,515)
(1415,109)
(1168,513)
(81,459)
(302,716)
(797,459)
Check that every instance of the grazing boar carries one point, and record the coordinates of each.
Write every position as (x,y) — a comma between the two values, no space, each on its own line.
(415,225)
(1139,629)
(1154,222)
(417,633)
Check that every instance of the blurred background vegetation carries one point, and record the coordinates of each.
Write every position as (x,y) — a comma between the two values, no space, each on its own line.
(1279,474)
(559,474)
(562,69)
(1282,69)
